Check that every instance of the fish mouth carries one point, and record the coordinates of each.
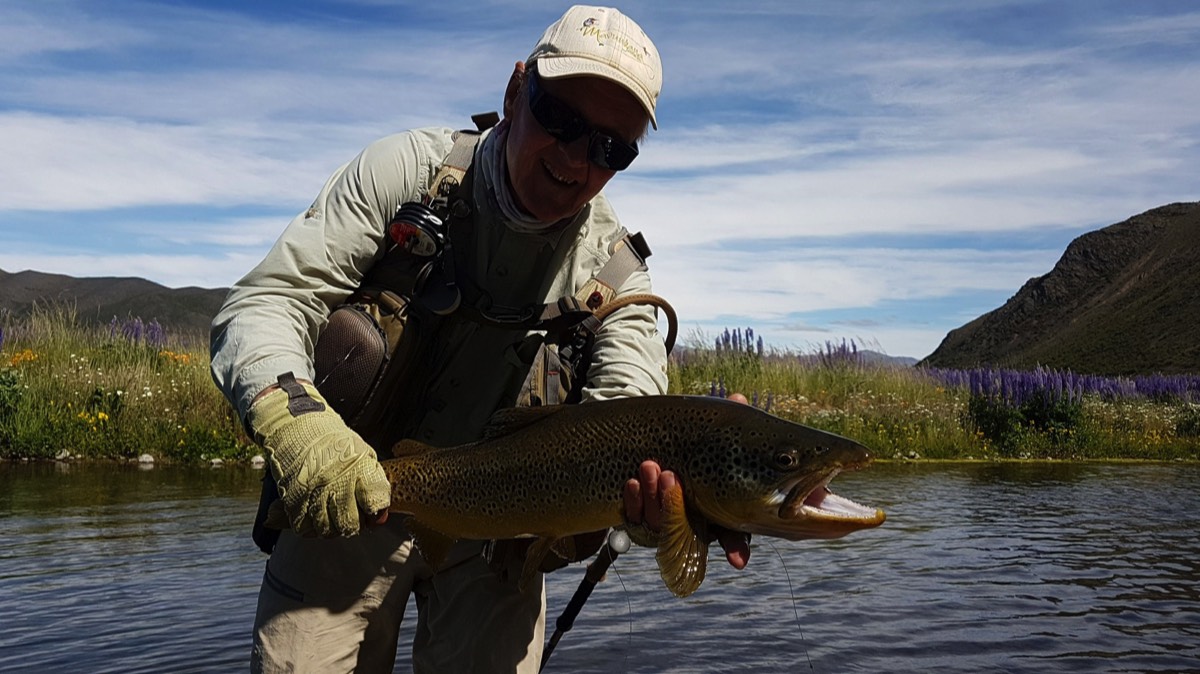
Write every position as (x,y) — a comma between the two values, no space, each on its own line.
(812,500)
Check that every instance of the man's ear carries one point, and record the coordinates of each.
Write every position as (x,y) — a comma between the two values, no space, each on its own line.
(515,83)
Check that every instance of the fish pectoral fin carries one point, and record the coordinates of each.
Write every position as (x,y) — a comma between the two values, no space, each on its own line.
(683,545)
(533,560)
(433,545)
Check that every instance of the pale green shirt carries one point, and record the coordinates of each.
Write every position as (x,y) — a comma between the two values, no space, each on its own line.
(272,316)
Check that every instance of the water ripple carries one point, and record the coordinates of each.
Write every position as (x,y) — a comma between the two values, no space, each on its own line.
(989,568)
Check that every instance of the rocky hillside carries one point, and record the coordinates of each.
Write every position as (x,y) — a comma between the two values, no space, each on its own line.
(99,299)
(1124,299)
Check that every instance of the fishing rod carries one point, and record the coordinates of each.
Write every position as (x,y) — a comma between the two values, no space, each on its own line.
(618,542)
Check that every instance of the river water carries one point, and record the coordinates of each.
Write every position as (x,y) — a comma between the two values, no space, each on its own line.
(979,568)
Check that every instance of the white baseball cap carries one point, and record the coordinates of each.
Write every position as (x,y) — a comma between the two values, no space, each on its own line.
(601,42)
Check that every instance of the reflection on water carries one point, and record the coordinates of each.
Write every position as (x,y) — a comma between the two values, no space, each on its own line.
(1030,567)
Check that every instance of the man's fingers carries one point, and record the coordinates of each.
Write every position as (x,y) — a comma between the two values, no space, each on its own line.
(648,474)
(737,547)
(633,501)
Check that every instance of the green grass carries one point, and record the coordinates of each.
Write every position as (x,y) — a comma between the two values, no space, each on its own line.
(902,413)
(75,389)
(67,387)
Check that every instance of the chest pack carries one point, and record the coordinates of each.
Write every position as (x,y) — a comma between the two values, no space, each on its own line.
(374,344)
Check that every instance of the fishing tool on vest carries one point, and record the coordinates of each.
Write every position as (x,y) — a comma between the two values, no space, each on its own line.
(419,232)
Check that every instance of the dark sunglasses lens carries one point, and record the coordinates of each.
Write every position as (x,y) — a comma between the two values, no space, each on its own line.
(610,153)
(561,122)
(555,117)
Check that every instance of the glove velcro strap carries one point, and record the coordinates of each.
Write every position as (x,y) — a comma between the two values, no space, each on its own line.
(299,401)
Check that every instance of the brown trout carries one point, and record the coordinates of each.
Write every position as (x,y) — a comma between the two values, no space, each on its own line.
(552,472)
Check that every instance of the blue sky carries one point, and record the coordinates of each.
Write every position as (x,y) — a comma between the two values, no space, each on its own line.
(874,170)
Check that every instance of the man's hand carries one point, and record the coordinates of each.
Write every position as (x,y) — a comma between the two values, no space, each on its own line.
(328,476)
(643,503)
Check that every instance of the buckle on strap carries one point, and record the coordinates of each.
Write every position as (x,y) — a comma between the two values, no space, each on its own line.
(567,312)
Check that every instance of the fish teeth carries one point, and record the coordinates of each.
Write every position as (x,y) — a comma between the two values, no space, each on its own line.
(841,506)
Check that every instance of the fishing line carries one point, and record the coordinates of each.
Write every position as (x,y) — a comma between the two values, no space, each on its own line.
(629,612)
(795,608)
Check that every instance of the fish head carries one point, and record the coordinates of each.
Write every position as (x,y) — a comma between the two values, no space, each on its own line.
(770,476)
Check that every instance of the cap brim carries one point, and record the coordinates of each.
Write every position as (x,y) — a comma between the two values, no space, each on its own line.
(550,67)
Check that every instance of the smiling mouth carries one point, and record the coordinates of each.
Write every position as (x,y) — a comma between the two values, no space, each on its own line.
(556,176)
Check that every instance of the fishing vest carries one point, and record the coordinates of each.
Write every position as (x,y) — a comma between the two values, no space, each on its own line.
(370,356)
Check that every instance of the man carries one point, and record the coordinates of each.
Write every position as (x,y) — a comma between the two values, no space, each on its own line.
(333,594)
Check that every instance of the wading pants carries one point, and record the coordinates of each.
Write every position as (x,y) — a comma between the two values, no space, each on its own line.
(335,605)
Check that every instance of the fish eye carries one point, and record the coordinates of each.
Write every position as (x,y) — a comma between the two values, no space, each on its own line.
(786,460)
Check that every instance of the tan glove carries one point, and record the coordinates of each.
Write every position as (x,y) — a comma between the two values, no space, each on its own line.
(326,473)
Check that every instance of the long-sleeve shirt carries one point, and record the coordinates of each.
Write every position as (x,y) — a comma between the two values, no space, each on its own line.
(272,317)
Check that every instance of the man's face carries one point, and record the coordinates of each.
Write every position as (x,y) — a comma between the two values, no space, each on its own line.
(551,179)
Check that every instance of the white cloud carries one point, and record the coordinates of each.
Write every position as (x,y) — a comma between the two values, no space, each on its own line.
(782,122)
(52,28)
(67,164)
(706,283)
(173,271)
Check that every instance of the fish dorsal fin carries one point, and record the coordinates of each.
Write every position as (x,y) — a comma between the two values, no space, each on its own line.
(682,547)
(433,545)
(406,448)
(512,419)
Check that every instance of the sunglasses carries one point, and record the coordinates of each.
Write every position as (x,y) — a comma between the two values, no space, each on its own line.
(565,125)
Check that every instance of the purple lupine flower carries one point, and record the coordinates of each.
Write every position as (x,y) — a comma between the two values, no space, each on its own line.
(133,330)
(156,335)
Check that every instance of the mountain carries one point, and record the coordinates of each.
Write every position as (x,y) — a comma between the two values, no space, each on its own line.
(1122,300)
(99,299)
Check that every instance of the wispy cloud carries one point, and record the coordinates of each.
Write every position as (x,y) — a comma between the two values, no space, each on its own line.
(821,168)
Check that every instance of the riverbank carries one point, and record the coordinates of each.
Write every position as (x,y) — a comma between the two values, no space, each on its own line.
(132,388)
